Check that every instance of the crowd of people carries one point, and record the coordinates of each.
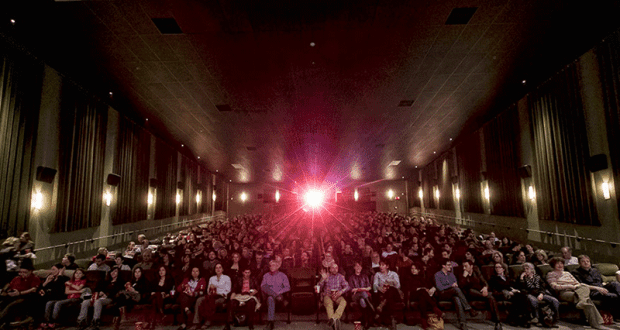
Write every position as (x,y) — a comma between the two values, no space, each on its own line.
(371,262)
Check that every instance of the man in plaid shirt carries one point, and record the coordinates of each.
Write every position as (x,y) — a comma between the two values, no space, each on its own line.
(333,286)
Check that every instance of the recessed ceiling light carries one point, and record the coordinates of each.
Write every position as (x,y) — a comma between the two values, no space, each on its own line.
(416,166)
(147,119)
(237,166)
(12,21)
(312,44)
(111,93)
(403,177)
(434,152)
(394,163)
(229,180)
(523,81)
(198,157)
(182,145)
(216,170)
(450,139)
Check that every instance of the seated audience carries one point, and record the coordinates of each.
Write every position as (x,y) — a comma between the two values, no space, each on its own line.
(104,296)
(540,258)
(421,290)
(68,262)
(244,296)
(386,286)
(475,287)
(567,254)
(273,286)
(519,258)
(52,288)
(534,287)
(147,260)
(333,286)
(99,264)
(448,289)
(162,293)
(119,260)
(218,288)
(608,293)
(503,289)
(189,291)
(73,294)
(569,289)
(360,289)
(19,294)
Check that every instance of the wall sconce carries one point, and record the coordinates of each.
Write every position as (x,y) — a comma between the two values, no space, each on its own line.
(277,196)
(487,194)
(437,193)
(390,194)
(198,199)
(107,198)
(37,200)
(356,195)
(243,196)
(457,193)
(214,196)
(149,199)
(531,194)
(605,187)
(178,199)
(421,194)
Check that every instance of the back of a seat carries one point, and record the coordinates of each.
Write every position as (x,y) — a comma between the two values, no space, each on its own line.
(570,268)
(94,278)
(543,270)
(487,271)
(302,277)
(516,271)
(608,271)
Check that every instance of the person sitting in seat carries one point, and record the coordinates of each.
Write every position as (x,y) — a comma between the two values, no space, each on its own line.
(568,288)
(503,289)
(360,287)
(274,285)
(448,288)
(421,291)
(73,294)
(219,287)
(386,286)
(19,294)
(333,286)
(103,297)
(99,264)
(244,296)
(608,293)
(475,287)
(189,291)
(567,254)
(531,284)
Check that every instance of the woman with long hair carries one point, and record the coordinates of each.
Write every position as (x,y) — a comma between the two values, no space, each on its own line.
(532,285)
(103,297)
(192,288)
(162,293)
(504,289)
(73,292)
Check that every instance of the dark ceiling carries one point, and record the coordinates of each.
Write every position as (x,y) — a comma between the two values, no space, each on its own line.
(310,87)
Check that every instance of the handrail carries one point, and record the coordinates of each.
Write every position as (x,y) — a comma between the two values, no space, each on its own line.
(549,233)
(184,224)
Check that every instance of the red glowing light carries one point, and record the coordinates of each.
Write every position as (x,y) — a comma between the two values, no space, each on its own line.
(314,198)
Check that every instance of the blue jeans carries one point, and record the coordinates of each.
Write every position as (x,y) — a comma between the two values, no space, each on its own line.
(53,308)
(97,308)
(551,301)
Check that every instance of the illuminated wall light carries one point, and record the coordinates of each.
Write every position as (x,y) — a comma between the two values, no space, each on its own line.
(356,195)
(198,199)
(178,199)
(531,194)
(390,194)
(457,192)
(421,194)
(487,194)
(149,199)
(107,198)
(605,187)
(277,196)
(37,200)
(437,193)
(214,197)
(243,197)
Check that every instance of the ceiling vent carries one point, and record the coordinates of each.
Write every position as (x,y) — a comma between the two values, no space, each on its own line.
(251,148)
(237,166)
(394,163)
(461,15)
(223,107)
(405,103)
(167,25)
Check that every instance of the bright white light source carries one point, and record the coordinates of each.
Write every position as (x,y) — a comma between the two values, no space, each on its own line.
(178,199)
(37,200)
(356,195)
(458,193)
(107,197)
(149,199)
(531,193)
(421,194)
(214,197)
(606,194)
(243,197)
(487,194)
(313,198)
(437,194)
(390,194)
(198,199)
(277,196)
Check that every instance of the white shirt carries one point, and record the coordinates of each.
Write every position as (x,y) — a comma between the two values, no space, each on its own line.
(386,254)
(223,285)
(571,261)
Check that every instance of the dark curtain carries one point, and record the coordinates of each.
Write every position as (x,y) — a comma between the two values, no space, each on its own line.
(166,164)
(189,178)
(609,66)
(563,183)
(20,92)
(82,151)
(446,198)
(500,140)
(132,164)
(468,155)
(428,182)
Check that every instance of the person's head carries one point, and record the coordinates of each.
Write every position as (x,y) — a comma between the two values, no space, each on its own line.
(416,268)
(78,274)
(333,269)
(529,248)
(195,273)
(141,238)
(520,257)
(68,259)
(56,269)
(488,245)
(236,257)
(247,272)
(328,256)
(375,257)
(305,256)
(446,265)
(541,256)
(528,268)
(357,267)
(469,255)
(584,262)
(383,266)
(468,266)
(147,255)
(567,252)
(118,259)
(259,257)
(102,250)
(500,269)
(219,269)
(223,253)
(389,248)
(137,273)
(445,254)
(162,271)
(212,255)
(273,266)
(100,259)
(245,252)
(498,257)
(25,237)
(557,263)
